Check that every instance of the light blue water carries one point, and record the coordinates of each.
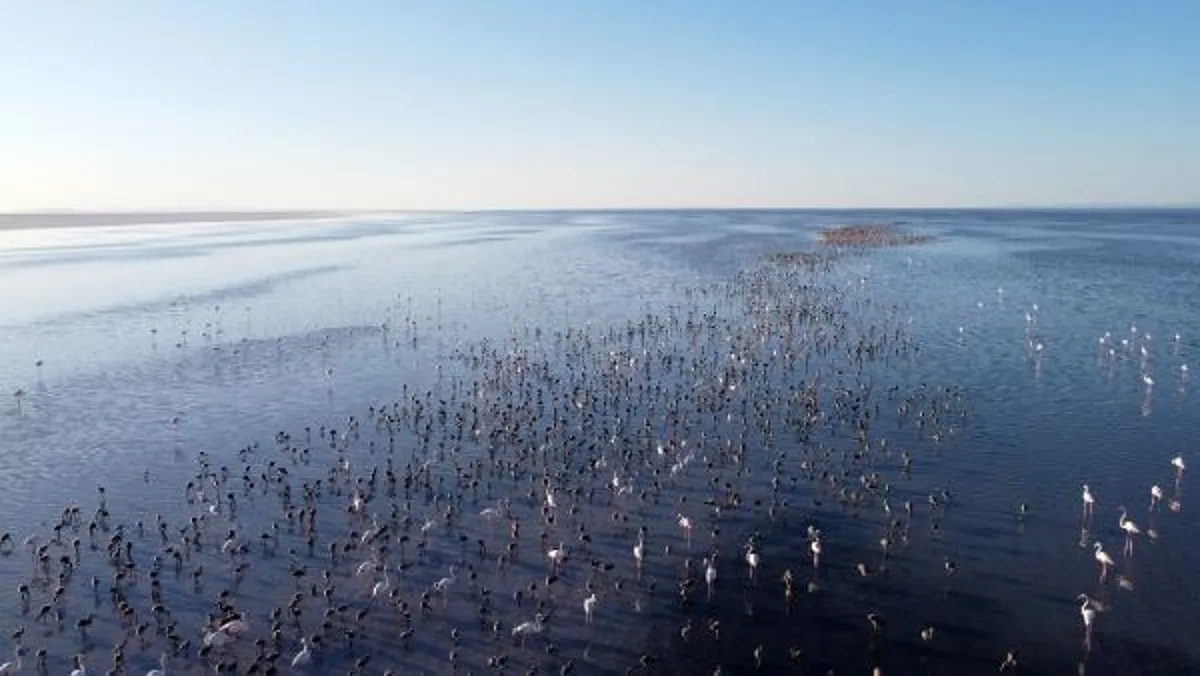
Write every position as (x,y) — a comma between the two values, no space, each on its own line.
(297,323)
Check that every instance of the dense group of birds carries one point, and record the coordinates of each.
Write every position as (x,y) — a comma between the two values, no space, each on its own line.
(644,497)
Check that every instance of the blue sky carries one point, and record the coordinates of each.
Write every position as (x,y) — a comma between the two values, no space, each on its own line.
(603,103)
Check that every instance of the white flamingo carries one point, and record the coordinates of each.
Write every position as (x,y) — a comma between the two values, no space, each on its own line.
(710,576)
(1089,501)
(365,567)
(162,667)
(557,556)
(752,560)
(14,666)
(1177,463)
(686,524)
(441,585)
(217,639)
(1156,495)
(304,657)
(1088,613)
(370,533)
(1130,529)
(1104,560)
(381,587)
(589,607)
(529,627)
(237,626)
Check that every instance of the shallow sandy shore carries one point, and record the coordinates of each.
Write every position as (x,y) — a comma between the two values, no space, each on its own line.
(16,221)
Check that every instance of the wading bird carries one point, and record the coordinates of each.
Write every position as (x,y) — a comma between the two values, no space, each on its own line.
(1104,560)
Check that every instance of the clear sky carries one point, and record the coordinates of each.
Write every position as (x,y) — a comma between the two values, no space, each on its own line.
(236,104)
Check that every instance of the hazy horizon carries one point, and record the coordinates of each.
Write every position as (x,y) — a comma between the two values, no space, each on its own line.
(537,105)
(335,212)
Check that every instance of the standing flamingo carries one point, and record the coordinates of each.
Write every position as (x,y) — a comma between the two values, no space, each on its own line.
(686,524)
(710,576)
(589,607)
(557,556)
(1104,560)
(1130,529)
(1089,501)
(752,560)
(1088,613)
(304,657)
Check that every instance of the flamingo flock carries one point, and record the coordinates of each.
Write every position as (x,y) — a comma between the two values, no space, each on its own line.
(554,499)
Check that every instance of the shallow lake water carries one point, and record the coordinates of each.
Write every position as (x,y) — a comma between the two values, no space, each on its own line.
(1012,360)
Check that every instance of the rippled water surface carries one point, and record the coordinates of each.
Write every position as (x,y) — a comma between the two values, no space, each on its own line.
(139,351)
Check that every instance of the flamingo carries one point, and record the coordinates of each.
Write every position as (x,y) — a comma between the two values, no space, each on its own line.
(1156,495)
(686,524)
(528,627)
(14,666)
(1088,613)
(589,607)
(1010,661)
(639,553)
(304,657)
(1089,501)
(1130,529)
(381,587)
(752,560)
(366,567)
(216,639)
(557,556)
(710,575)
(441,585)
(814,548)
(236,626)
(1104,560)
(162,667)
(370,533)
(80,668)
(1177,463)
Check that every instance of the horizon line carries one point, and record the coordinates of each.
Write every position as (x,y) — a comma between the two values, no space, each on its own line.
(332,212)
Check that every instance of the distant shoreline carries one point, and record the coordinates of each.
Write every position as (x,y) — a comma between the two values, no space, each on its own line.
(79,219)
(87,219)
